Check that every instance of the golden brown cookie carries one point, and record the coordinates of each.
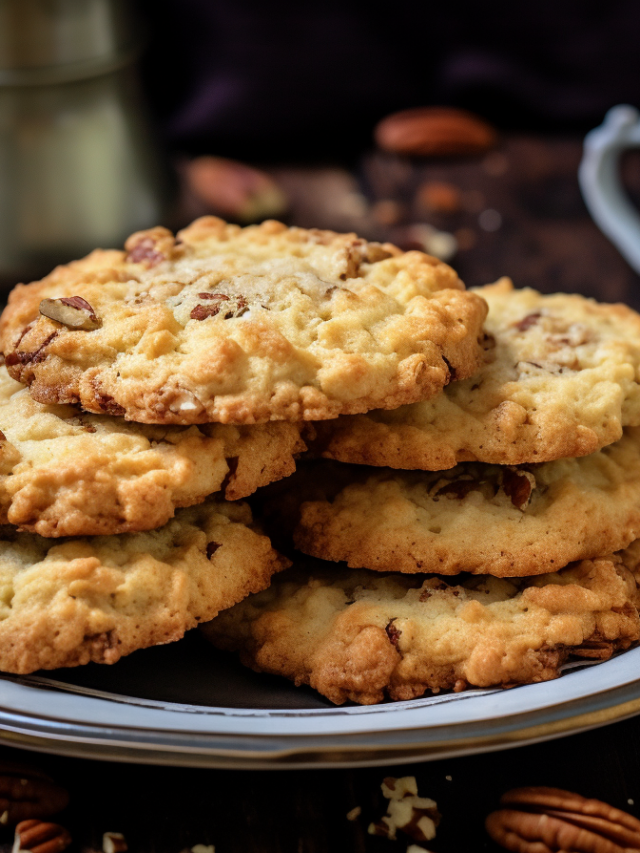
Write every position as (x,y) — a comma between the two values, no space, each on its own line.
(73,601)
(560,379)
(359,636)
(65,473)
(484,519)
(242,325)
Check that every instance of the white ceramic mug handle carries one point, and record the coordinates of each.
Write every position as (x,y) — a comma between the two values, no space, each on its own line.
(600,180)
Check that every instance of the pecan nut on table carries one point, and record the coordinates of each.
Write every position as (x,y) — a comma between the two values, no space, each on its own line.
(26,793)
(37,836)
(550,820)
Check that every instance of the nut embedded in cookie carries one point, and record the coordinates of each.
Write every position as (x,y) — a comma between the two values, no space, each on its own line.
(329,628)
(242,326)
(73,601)
(68,473)
(559,380)
(483,519)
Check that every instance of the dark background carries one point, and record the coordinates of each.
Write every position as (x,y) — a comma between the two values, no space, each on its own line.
(307,81)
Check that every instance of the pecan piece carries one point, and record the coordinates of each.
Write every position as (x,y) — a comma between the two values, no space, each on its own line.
(528,321)
(34,357)
(415,816)
(150,247)
(26,792)
(393,633)
(37,836)
(212,547)
(518,485)
(220,304)
(72,311)
(550,819)
(114,842)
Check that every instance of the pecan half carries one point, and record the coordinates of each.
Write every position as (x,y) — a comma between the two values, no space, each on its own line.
(72,311)
(37,836)
(26,792)
(435,132)
(549,820)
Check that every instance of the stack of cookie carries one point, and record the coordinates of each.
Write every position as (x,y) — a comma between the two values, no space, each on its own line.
(489,533)
(167,382)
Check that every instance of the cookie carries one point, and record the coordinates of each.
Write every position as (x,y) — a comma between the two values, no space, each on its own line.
(242,325)
(484,519)
(64,473)
(73,601)
(560,379)
(358,636)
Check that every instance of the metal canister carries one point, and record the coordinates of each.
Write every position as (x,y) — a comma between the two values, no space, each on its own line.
(79,167)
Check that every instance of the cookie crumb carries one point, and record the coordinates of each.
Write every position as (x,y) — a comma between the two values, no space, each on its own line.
(4,818)
(355,813)
(449,778)
(203,848)
(630,802)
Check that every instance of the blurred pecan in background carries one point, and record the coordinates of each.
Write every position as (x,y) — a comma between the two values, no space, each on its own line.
(547,820)
(26,792)
(234,190)
(435,132)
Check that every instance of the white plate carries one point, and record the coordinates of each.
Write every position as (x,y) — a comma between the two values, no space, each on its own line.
(187,704)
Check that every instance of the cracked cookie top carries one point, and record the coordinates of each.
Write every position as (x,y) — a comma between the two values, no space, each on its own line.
(73,601)
(242,325)
(364,637)
(560,379)
(68,473)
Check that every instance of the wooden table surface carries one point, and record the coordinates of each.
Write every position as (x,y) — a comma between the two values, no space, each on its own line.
(545,239)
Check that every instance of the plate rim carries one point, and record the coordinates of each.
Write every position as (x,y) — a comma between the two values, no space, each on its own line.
(364,748)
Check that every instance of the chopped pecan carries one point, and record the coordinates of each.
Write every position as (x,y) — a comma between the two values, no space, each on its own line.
(26,793)
(528,321)
(518,485)
(212,547)
(555,820)
(415,816)
(145,251)
(220,297)
(37,836)
(72,311)
(393,633)
(104,647)
(223,305)
(459,488)
(150,247)
(201,312)
(34,357)
(452,370)
(108,405)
